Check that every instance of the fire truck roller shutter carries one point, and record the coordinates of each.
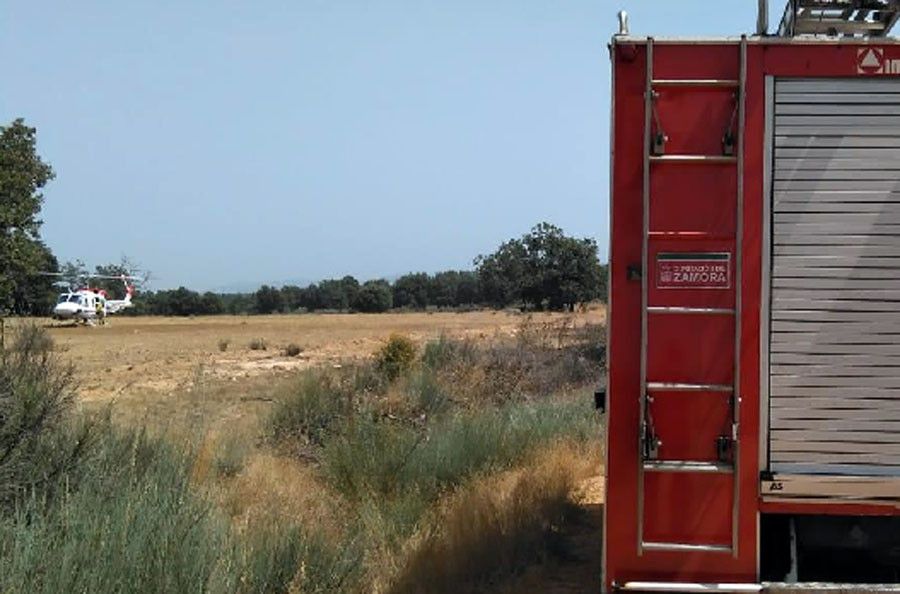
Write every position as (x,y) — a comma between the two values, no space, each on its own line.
(834,343)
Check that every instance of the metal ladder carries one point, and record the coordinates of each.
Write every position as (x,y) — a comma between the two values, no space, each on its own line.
(649,442)
(848,18)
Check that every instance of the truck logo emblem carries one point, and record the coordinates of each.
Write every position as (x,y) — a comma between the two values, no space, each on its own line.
(693,270)
(870,60)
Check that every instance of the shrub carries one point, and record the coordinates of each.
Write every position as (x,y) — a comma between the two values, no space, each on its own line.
(544,359)
(396,356)
(368,456)
(223,344)
(292,350)
(39,442)
(132,524)
(89,508)
(230,455)
(308,410)
(258,344)
(428,394)
(373,456)
(279,558)
(444,352)
(135,524)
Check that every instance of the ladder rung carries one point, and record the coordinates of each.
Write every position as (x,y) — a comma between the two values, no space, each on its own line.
(695,82)
(689,587)
(687,466)
(667,309)
(837,25)
(690,235)
(683,387)
(708,159)
(837,588)
(683,547)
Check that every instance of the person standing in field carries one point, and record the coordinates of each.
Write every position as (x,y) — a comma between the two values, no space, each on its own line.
(100,310)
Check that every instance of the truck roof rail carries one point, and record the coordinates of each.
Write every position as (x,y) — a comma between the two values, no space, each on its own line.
(839,18)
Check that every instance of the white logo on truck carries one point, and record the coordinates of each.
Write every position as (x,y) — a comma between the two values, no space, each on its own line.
(871,60)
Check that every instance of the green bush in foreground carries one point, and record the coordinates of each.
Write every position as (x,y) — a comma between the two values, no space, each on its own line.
(89,508)
(396,356)
(132,525)
(136,525)
(374,456)
(309,409)
(38,440)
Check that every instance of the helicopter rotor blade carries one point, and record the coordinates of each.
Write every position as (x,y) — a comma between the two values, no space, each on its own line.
(85,275)
(115,276)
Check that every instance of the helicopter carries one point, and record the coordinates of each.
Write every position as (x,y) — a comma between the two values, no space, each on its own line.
(91,305)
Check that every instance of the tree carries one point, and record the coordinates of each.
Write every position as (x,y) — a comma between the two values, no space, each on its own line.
(500,275)
(452,288)
(374,297)
(467,291)
(311,298)
(560,271)
(211,304)
(268,300)
(411,290)
(35,295)
(72,274)
(332,295)
(22,175)
(292,296)
(181,302)
(542,269)
(350,287)
(114,287)
(237,303)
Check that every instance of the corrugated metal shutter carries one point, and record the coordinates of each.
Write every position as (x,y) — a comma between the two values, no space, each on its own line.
(835,286)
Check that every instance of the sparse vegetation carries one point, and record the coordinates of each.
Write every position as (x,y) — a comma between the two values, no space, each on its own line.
(230,456)
(119,512)
(393,452)
(223,344)
(258,344)
(498,524)
(391,475)
(396,356)
(309,408)
(292,350)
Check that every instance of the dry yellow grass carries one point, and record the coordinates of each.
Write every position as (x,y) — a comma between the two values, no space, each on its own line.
(497,523)
(170,374)
(163,354)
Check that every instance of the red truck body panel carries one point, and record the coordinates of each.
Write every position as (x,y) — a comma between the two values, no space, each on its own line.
(693,210)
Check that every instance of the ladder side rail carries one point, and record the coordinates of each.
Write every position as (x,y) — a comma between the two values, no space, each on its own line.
(738,301)
(645,246)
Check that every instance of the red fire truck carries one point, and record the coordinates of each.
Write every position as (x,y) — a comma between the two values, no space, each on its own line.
(753,418)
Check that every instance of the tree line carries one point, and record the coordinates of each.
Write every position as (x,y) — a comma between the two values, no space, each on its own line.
(543,269)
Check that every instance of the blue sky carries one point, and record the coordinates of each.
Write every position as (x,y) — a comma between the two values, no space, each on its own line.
(225,143)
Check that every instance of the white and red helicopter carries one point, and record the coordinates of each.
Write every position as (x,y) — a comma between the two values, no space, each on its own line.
(90,305)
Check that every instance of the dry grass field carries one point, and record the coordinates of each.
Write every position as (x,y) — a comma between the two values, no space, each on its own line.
(198,383)
(146,365)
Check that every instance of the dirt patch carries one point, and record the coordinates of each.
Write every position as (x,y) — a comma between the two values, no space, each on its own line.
(165,354)
(191,373)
